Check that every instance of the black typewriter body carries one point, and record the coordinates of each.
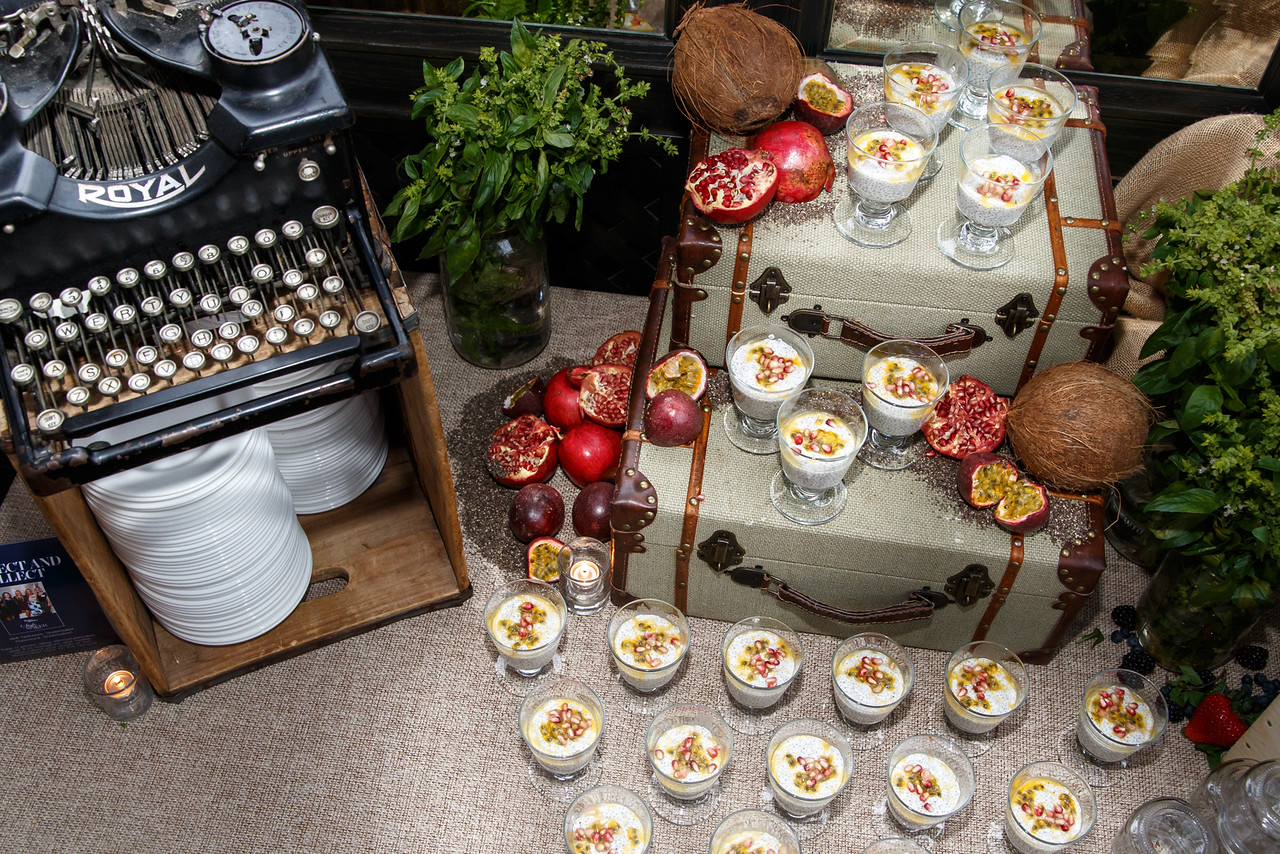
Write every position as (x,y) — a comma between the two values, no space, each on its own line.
(181,214)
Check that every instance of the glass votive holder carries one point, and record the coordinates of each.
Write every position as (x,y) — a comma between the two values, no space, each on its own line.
(115,683)
(584,575)
(1164,825)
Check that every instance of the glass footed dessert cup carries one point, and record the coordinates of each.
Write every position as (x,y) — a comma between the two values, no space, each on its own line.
(809,762)
(1031,96)
(870,677)
(752,831)
(561,724)
(948,13)
(1002,171)
(1167,826)
(986,683)
(525,620)
(888,147)
(930,77)
(1049,809)
(901,384)
(1121,713)
(766,364)
(689,746)
(992,34)
(820,431)
(762,658)
(615,811)
(895,845)
(648,639)
(929,780)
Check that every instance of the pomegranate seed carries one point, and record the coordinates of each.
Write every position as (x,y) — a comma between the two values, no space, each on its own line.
(928,806)
(528,606)
(1039,811)
(1118,730)
(1026,807)
(713,752)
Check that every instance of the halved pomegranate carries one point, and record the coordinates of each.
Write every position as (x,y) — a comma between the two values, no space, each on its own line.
(590,453)
(525,400)
(523,451)
(621,349)
(805,167)
(543,559)
(684,370)
(968,418)
(984,478)
(1024,509)
(734,185)
(561,402)
(822,103)
(604,392)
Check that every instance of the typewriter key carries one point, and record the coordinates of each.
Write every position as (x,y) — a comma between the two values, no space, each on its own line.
(54,370)
(139,383)
(36,339)
(71,297)
(238,245)
(284,314)
(40,302)
(325,216)
(128,277)
(109,386)
(201,338)
(194,361)
(22,374)
(170,333)
(333,285)
(229,331)
(180,298)
(262,273)
(184,261)
(209,253)
(50,421)
(95,323)
(66,332)
(367,321)
(116,358)
(308,292)
(146,355)
(292,229)
(248,344)
(89,373)
(276,336)
(252,310)
(265,238)
(330,319)
(293,278)
(308,170)
(222,352)
(78,396)
(10,310)
(238,295)
(211,303)
(317,257)
(304,327)
(165,369)
(151,306)
(99,286)
(154,270)
(124,314)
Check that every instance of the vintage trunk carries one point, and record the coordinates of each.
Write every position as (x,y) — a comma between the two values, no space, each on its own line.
(1055,302)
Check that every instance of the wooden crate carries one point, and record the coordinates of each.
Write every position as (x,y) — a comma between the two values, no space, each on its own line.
(398,547)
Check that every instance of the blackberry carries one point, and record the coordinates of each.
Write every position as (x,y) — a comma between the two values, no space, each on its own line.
(1125,616)
(1176,714)
(1207,676)
(1139,662)
(1252,657)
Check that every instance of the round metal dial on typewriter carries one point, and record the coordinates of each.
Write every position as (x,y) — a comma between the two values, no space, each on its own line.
(255,32)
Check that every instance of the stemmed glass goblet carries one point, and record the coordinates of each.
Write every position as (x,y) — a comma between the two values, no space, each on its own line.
(929,780)
(930,77)
(1049,809)
(561,724)
(689,746)
(986,683)
(762,658)
(612,810)
(819,433)
(809,762)
(1121,713)
(525,620)
(766,364)
(901,383)
(1031,96)
(871,675)
(648,639)
(992,34)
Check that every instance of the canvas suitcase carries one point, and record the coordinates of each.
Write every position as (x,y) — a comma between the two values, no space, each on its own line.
(1057,301)
(694,526)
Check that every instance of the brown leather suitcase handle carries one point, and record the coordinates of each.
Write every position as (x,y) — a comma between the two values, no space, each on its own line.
(958,338)
(919,604)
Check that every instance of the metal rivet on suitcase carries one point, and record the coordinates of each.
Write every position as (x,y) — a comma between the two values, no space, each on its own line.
(631,472)
(648,514)
(1062,271)
(651,500)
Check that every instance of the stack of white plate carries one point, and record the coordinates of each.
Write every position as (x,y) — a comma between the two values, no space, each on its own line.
(328,456)
(210,539)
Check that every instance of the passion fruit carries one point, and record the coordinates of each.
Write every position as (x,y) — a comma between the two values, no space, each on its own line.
(672,418)
(1024,509)
(525,400)
(683,370)
(984,478)
(543,559)
(591,510)
(536,511)
(822,103)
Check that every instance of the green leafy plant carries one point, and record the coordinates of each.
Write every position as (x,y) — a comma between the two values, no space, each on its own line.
(1218,449)
(516,144)
(571,13)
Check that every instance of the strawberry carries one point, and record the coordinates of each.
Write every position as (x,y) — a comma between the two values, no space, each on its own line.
(1215,722)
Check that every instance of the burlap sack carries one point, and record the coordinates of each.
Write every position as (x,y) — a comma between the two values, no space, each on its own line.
(1207,155)
(1171,54)
(1235,50)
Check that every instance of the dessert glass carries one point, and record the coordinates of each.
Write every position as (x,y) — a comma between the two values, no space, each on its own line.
(766,364)
(1031,96)
(761,658)
(525,620)
(1165,825)
(929,77)
(1002,171)
(986,683)
(992,34)
(648,639)
(608,809)
(820,431)
(1049,809)
(870,677)
(895,845)
(809,762)
(929,780)
(888,145)
(752,831)
(561,723)
(689,746)
(1121,713)
(901,384)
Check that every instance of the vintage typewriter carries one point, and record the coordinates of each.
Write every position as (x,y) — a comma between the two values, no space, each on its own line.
(181,215)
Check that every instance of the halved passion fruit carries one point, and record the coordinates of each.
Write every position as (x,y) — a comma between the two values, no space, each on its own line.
(984,478)
(822,103)
(1024,508)
(683,370)
(544,559)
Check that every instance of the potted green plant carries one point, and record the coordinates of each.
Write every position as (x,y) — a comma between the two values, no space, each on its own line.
(512,147)
(1217,450)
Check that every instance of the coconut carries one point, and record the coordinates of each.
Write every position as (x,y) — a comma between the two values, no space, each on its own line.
(735,70)
(1079,427)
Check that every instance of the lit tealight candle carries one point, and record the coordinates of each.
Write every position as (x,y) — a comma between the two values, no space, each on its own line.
(118,682)
(584,571)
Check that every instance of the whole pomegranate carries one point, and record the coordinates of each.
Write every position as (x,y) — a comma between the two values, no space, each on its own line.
(590,452)
(805,167)
(536,511)
(560,402)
